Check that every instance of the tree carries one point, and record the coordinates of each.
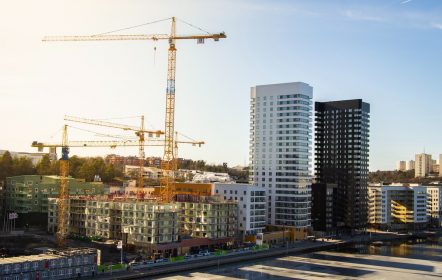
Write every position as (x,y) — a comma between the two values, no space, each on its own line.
(44,167)
(22,166)
(6,162)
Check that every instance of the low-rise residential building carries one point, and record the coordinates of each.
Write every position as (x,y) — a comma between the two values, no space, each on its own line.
(28,195)
(154,228)
(251,205)
(121,160)
(398,206)
(211,177)
(54,264)
(148,172)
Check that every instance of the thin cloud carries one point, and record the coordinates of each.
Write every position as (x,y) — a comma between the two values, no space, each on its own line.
(357,16)
(437,25)
(406,1)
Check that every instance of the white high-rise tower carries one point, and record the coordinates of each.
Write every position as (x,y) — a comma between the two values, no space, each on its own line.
(280,150)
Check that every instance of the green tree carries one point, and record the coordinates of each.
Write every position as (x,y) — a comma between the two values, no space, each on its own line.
(44,166)
(22,166)
(6,168)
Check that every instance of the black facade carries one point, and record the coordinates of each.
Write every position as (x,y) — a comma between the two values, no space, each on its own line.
(342,135)
(324,197)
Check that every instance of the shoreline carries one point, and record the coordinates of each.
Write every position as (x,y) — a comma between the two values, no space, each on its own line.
(298,248)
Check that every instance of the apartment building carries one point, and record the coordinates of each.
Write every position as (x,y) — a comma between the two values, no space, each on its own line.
(410,165)
(324,212)
(152,227)
(28,195)
(208,217)
(341,151)
(434,205)
(251,202)
(54,264)
(423,164)
(401,165)
(398,206)
(148,172)
(280,150)
(440,162)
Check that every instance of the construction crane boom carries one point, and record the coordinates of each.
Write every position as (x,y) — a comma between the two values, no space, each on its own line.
(110,144)
(113,125)
(168,162)
(153,37)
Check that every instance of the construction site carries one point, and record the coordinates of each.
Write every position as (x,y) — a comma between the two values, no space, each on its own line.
(156,222)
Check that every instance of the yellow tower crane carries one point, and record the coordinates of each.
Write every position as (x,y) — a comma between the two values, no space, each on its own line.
(168,164)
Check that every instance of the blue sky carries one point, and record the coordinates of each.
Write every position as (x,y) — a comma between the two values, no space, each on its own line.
(385,52)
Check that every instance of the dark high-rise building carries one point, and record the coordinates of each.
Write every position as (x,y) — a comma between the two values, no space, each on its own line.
(342,132)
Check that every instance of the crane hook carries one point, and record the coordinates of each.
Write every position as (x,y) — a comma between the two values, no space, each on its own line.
(154,54)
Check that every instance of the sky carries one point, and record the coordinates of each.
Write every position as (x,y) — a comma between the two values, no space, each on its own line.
(387,52)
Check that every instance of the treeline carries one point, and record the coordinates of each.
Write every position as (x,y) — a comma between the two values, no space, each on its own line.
(82,168)
(399,177)
(15,166)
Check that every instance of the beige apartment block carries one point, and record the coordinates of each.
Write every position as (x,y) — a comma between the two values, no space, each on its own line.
(401,165)
(423,164)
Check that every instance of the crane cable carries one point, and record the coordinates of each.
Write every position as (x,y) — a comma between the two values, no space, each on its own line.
(131,27)
(194,26)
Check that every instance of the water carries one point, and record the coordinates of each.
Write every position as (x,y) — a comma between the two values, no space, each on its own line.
(420,259)
(418,248)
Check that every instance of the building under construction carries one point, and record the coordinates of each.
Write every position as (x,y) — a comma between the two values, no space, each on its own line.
(54,264)
(153,228)
(28,195)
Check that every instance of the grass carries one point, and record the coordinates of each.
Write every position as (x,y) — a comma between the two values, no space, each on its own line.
(106,268)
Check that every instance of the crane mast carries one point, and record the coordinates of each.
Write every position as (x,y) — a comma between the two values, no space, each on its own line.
(167,164)
(140,159)
(64,192)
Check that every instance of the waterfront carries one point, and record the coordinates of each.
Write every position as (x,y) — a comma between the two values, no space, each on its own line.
(419,259)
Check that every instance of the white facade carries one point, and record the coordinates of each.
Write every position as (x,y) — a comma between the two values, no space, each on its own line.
(251,205)
(434,200)
(148,172)
(280,150)
(397,205)
(423,163)
(211,177)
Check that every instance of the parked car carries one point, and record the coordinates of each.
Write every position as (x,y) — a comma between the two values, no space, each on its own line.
(161,260)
